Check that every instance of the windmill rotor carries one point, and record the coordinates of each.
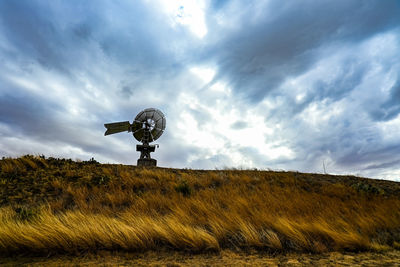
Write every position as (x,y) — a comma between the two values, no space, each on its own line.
(151,120)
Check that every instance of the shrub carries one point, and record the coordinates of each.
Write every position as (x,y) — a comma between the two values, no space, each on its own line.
(26,214)
(367,188)
(100,180)
(91,161)
(184,188)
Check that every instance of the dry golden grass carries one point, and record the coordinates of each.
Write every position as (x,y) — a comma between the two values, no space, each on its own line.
(62,206)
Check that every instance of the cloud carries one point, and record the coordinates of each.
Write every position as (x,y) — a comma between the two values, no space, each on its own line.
(239,125)
(391,107)
(276,41)
(264,84)
(383,165)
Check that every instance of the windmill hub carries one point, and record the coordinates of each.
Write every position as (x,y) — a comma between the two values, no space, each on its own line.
(147,127)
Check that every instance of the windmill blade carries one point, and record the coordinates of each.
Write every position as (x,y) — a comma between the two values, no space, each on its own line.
(151,137)
(117,127)
(138,134)
(160,123)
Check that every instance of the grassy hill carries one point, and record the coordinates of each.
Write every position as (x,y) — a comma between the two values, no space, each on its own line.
(50,205)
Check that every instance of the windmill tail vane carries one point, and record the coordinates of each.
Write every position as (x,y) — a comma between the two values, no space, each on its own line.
(117,127)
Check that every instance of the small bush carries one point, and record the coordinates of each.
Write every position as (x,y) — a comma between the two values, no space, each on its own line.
(100,180)
(184,188)
(25,214)
(91,161)
(367,188)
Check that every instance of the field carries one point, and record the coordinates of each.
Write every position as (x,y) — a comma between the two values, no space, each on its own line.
(61,208)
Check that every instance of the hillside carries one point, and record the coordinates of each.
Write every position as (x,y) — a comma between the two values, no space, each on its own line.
(56,206)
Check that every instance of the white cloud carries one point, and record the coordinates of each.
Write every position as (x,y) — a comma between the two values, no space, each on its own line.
(256,84)
(206,74)
(216,136)
(190,13)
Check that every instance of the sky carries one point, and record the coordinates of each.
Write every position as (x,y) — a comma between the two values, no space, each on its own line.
(308,86)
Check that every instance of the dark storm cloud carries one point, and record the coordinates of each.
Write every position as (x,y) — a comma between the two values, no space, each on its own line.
(26,113)
(30,33)
(286,38)
(64,35)
(356,156)
(384,165)
(308,68)
(349,77)
(239,125)
(37,118)
(390,108)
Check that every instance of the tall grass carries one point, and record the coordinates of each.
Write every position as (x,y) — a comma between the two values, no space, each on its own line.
(88,206)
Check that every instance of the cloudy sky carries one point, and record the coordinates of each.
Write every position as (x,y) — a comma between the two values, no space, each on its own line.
(282,85)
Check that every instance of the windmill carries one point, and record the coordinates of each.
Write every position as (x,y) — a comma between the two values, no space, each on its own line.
(147,127)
